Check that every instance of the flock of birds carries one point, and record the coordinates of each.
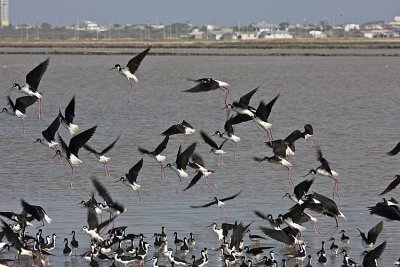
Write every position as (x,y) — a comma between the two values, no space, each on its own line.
(118,247)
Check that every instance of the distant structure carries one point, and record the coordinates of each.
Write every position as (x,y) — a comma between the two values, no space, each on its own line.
(5,22)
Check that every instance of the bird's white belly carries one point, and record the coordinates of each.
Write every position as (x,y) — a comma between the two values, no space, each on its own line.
(75,161)
(104,159)
(263,124)
(160,158)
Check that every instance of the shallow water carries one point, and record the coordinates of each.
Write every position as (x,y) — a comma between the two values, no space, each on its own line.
(352,103)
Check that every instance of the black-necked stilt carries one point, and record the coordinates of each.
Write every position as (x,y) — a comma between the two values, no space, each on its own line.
(74,243)
(49,134)
(309,261)
(51,243)
(274,224)
(369,241)
(19,108)
(392,185)
(113,207)
(300,254)
(70,153)
(229,133)
(191,241)
(344,238)
(20,218)
(197,163)
(255,253)
(32,83)
(209,84)
(333,247)
(178,242)
(67,251)
(395,150)
(219,232)
(175,260)
(325,170)
(219,202)
(131,177)
(182,160)
(308,135)
(156,154)
(242,106)
(130,69)
(286,145)
(323,205)
(124,259)
(278,160)
(69,117)
(93,229)
(281,236)
(181,128)
(371,257)
(255,238)
(262,113)
(217,150)
(386,211)
(37,212)
(322,260)
(198,262)
(194,180)
(101,154)
(300,190)
(397,263)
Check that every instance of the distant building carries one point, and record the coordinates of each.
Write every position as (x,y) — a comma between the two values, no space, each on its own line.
(317,34)
(5,22)
(351,27)
(276,34)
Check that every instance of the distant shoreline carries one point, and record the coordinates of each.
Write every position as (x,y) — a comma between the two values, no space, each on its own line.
(291,47)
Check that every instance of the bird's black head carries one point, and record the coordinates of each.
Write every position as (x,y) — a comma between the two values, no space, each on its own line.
(38,140)
(168,165)
(312,171)
(116,66)
(58,152)
(286,195)
(120,179)
(5,110)
(16,85)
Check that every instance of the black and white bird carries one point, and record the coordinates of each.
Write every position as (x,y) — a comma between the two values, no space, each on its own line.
(385,210)
(101,154)
(242,106)
(37,212)
(286,144)
(130,69)
(49,134)
(32,83)
(67,120)
(182,160)
(344,238)
(308,135)
(130,178)
(19,108)
(220,202)
(209,84)
(113,207)
(262,114)
(70,152)
(325,170)
(395,150)
(217,150)
(181,128)
(278,158)
(197,163)
(229,133)
(371,257)
(156,154)
(299,191)
(94,228)
(369,240)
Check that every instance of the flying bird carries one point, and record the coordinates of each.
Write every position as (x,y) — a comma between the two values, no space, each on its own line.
(130,178)
(130,69)
(209,84)
(395,150)
(220,202)
(67,120)
(392,185)
(19,108)
(156,154)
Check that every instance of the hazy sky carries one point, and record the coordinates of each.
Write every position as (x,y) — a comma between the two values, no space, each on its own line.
(199,12)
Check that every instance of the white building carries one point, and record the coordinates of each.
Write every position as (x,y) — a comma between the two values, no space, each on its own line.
(5,22)
(351,26)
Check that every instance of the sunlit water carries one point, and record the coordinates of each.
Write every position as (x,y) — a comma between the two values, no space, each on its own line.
(352,102)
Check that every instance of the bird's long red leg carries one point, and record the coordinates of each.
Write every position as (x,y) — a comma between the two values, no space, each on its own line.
(130,95)
(290,176)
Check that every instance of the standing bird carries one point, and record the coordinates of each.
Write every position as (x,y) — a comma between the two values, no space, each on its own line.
(37,212)
(19,108)
(70,153)
(130,69)
(32,83)
(217,150)
(101,155)
(209,84)
(69,117)
(325,170)
(369,240)
(395,150)
(219,202)
(181,128)
(131,177)
(49,134)
(74,242)
(67,251)
(156,154)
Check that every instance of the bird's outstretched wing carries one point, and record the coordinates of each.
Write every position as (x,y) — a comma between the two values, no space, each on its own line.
(50,132)
(34,76)
(392,185)
(195,179)
(395,150)
(80,139)
(231,197)
(134,63)
(102,191)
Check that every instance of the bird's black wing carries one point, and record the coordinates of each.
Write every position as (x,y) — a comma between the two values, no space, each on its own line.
(204,85)
(91,149)
(302,188)
(205,205)
(50,132)
(10,103)
(261,215)
(392,185)
(186,124)
(30,209)
(308,129)
(109,147)
(92,220)
(163,145)
(34,76)
(208,140)
(278,235)
(196,158)
(174,129)
(134,171)
(371,256)
(134,63)
(395,150)
(389,212)
(231,197)
(63,147)
(375,231)
(80,139)
(228,127)
(195,179)
(183,158)
(21,103)
(245,100)
(239,118)
(102,191)
(70,111)
(324,162)
(263,111)
(238,233)
(11,236)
